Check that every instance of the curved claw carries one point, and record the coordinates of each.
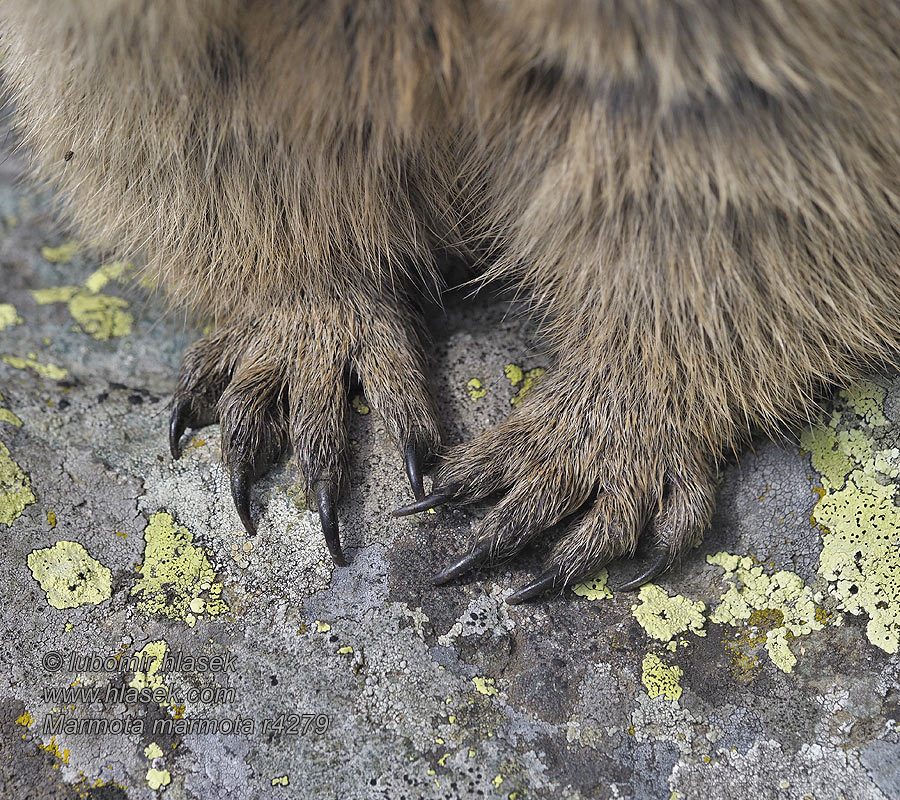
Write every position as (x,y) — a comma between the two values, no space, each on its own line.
(544,583)
(328,518)
(240,492)
(655,567)
(436,498)
(479,555)
(413,457)
(178,424)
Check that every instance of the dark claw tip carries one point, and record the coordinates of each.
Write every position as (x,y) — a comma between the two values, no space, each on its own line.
(549,580)
(436,498)
(412,454)
(328,518)
(177,426)
(476,558)
(240,491)
(656,566)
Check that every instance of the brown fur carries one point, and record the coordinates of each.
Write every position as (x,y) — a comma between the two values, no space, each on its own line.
(700,200)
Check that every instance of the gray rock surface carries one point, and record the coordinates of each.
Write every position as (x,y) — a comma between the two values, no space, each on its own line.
(765,665)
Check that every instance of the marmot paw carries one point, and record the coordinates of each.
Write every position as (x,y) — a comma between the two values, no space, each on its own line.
(282,379)
(608,471)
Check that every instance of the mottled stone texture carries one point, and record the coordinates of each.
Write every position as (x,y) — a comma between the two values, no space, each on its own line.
(764,666)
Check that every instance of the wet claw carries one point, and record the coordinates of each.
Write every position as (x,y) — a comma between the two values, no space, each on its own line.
(328,518)
(413,458)
(438,497)
(655,565)
(551,579)
(240,492)
(479,556)
(180,421)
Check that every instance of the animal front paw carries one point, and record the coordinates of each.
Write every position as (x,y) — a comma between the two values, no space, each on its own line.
(610,465)
(280,378)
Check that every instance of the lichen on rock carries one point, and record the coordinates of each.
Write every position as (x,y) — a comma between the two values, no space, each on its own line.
(69,575)
(663,616)
(777,607)
(175,573)
(15,488)
(858,514)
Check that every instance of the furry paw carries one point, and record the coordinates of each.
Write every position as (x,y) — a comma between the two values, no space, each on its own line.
(280,379)
(609,467)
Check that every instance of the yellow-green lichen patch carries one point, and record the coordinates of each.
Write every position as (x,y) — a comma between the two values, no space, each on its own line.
(596,588)
(522,380)
(297,495)
(69,576)
(53,749)
(661,679)
(153,750)
(485,686)
(174,573)
(773,609)
(157,778)
(101,316)
(15,488)
(55,294)
(663,617)
(514,373)
(281,780)
(858,515)
(62,254)
(8,316)
(359,405)
(475,389)
(867,400)
(7,416)
(194,443)
(114,271)
(153,655)
(50,371)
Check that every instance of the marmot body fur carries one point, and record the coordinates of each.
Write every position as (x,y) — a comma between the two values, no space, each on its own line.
(701,201)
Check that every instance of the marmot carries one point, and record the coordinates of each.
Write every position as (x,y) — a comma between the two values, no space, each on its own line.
(700,200)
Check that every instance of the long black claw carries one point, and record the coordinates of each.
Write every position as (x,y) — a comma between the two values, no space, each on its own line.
(656,566)
(436,498)
(240,491)
(479,555)
(177,426)
(547,581)
(328,518)
(413,456)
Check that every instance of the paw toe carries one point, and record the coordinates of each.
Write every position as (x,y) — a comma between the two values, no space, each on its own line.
(205,372)
(253,432)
